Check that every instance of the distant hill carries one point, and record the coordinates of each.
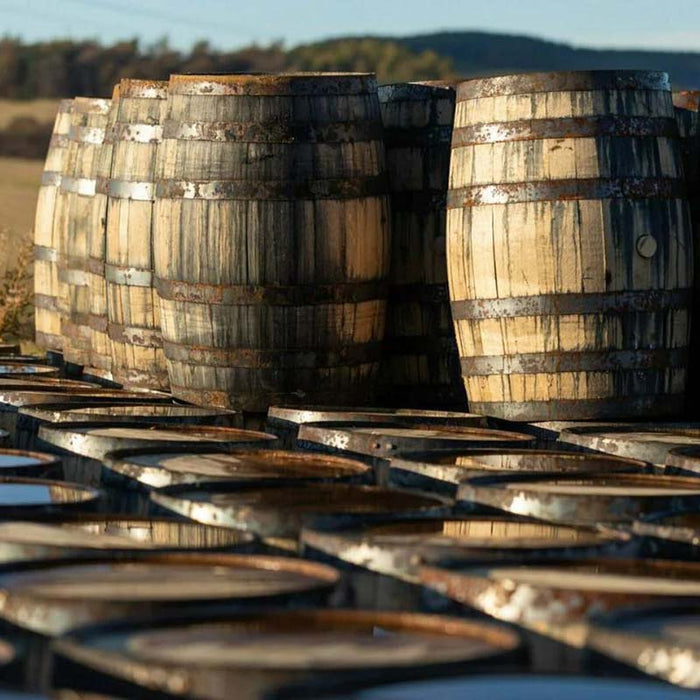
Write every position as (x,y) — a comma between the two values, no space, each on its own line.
(484,53)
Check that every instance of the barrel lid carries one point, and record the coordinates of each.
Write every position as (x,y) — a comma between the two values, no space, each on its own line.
(396,547)
(61,596)
(454,466)
(562,81)
(525,687)
(281,511)
(684,460)
(95,440)
(171,654)
(19,369)
(160,467)
(650,443)
(582,498)
(75,395)
(92,534)
(143,89)
(18,494)
(65,412)
(16,358)
(19,459)
(662,641)
(390,439)
(557,598)
(39,383)
(333,414)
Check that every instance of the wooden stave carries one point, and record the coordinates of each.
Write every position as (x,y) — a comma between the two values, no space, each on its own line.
(306,315)
(658,108)
(46,245)
(133,313)
(76,210)
(420,365)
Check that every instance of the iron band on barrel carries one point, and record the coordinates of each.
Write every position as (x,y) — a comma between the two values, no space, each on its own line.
(343,188)
(133,335)
(79,185)
(76,278)
(582,361)
(44,301)
(565,128)
(137,191)
(273,132)
(87,134)
(51,178)
(647,301)
(45,254)
(59,141)
(137,133)
(128,276)
(97,323)
(278,295)
(254,358)
(574,81)
(574,189)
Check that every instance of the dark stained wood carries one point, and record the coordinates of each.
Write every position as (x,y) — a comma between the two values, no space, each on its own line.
(271,238)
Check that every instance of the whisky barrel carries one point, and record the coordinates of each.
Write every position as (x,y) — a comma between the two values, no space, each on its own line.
(112,537)
(276,654)
(32,499)
(76,217)
(649,442)
(271,238)
(37,382)
(557,599)
(28,370)
(100,353)
(687,110)
(134,317)
(444,470)
(661,641)
(583,499)
(47,316)
(29,464)
(569,246)
(683,461)
(420,365)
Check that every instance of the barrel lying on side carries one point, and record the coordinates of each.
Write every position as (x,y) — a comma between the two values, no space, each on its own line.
(569,246)
(46,236)
(134,320)
(271,238)
(420,366)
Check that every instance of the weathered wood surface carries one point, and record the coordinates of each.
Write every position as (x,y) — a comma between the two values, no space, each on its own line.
(47,232)
(261,654)
(79,223)
(136,344)
(420,364)
(271,238)
(569,246)
(583,499)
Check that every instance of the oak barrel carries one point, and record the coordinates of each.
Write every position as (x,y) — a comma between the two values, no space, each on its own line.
(29,464)
(47,316)
(420,365)
(569,246)
(76,217)
(134,317)
(271,238)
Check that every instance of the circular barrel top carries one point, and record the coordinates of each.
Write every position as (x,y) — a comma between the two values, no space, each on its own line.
(556,597)
(139,412)
(303,643)
(274,511)
(454,466)
(563,81)
(663,641)
(158,467)
(17,359)
(390,439)
(95,440)
(23,397)
(397,547)
(8,369)
(37,383)
(27,463)
(23,495)
(650,443)
(63,596)
(684,460)
(526,687)
(91,535)
(582,499)
(330,414)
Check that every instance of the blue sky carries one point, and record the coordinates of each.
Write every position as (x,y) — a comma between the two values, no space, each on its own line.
(672,25)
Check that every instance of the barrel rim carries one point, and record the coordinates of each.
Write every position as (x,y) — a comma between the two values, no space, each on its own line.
(687,99)
(143,88)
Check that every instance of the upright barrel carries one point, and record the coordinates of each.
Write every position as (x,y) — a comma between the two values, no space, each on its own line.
(271,238)
(76,216)
(46,234)
(687,109)
(569,246)
(134,317)
(100,353)
(420,366)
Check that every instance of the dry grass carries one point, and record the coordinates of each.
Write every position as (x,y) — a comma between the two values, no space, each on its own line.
(16,290)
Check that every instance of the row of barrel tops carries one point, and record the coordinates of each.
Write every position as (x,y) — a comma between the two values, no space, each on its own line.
(328,543)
